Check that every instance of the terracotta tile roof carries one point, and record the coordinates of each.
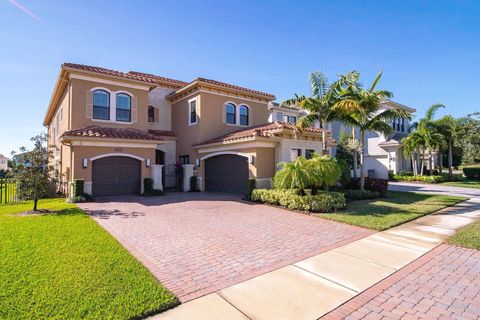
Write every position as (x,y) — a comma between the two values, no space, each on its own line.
(109,72)
(111,133)
(156,78)
(162,133)
(263,130)
(232,86)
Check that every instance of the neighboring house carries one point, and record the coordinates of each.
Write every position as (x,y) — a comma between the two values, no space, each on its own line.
(114,129)
(383,153)
(3,163)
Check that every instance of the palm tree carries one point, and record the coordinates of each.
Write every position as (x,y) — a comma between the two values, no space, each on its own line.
(325,171)
(293,175)
(363,110)
(318,105)
(426,128)
(413,145)
(447,127)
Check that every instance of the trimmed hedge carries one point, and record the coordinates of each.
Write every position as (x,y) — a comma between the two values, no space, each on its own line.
(372,184)
(425,179)
(291,199)
(360,194)
(472,172)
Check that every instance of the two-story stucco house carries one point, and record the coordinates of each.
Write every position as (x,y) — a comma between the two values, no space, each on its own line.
(114,129)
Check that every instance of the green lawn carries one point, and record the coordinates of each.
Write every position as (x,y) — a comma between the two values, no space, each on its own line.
(395,209)
(468,237)
(65,266)
(465,183)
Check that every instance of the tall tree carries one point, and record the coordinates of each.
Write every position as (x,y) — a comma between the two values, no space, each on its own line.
(426,127)
(447,127)
(469,138)
(318,106)
(413,145)
(363,109)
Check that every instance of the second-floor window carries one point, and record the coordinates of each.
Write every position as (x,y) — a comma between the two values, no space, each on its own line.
(230,112)
(101,105)
(193,112)
(244,115)
(123,107)
(291,119)
(151,114)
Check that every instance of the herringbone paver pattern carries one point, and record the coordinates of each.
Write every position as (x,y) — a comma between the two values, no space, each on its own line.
(443,284)
(198,243)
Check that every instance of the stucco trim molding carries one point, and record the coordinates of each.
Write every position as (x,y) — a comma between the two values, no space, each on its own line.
(246,155)
(116,154)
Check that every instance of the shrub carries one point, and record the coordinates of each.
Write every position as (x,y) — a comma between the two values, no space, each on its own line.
(372,184)
(78,188)
(148,188)
(314,173)
(193,184)
(390,174)
(425,179)
(251,185)
(345,172)
(147,185)
(291,199)
(472,172)
(360,194)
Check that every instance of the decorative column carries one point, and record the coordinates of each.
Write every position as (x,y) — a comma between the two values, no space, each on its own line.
(156,172)
(187,174)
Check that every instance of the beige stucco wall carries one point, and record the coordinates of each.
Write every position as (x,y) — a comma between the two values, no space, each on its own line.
(79,105)
(210,120)
(163,112)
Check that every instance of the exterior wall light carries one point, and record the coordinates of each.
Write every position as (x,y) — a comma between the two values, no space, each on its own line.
(251,159)
(197,162)
(84,163)
(147,163)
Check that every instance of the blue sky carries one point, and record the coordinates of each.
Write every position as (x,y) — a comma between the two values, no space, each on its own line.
(429,50)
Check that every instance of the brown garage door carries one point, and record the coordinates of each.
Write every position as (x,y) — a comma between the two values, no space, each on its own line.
(226,173)
(114,176)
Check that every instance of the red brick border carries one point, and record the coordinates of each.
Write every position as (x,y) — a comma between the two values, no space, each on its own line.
(356,302)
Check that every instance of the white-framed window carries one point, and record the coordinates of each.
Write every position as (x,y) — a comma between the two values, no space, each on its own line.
(230,113)
(290,119)
(192,111)
(237,115)
(101,105)
(244,115)
(295,153)
(123,105)
(151,114)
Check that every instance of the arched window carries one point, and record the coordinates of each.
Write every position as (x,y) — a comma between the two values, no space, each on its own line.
(151,114)
(230,113)
(124,106)
(101,105)
(244,115)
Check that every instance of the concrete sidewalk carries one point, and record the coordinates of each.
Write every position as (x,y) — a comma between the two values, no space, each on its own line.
(313,287)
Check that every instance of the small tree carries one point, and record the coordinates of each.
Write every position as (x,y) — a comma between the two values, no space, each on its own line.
(294,175)
(325,171)
(34,171)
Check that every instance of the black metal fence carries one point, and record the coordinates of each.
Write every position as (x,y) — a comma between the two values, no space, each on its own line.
(8,191)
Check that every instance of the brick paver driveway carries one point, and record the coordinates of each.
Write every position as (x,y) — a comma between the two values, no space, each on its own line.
(198,243)
(443,284)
